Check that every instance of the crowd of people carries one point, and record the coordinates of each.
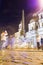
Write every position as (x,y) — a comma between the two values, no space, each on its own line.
(11,40)
(7,40)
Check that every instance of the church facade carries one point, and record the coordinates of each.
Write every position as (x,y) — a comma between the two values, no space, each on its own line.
(35,30)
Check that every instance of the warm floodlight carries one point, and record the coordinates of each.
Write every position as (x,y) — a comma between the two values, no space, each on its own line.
(41,3)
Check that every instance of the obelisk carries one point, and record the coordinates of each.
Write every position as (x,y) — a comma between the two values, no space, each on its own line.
(23,23)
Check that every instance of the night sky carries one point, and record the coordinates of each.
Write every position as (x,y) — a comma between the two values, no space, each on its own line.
(11,12)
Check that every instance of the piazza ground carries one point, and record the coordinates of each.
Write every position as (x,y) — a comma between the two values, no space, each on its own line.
(21,57)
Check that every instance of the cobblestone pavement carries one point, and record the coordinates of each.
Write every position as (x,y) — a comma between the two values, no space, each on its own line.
(21,57)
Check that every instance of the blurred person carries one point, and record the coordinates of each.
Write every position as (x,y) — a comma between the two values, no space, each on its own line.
(42,42)
(11,41)
(4,37)
(38,42)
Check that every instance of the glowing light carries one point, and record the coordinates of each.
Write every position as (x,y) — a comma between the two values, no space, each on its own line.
(41,3)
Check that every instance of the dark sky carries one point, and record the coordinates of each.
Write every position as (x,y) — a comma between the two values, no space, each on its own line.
(10,11)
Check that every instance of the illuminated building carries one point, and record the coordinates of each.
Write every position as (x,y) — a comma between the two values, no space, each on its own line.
(35,28)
